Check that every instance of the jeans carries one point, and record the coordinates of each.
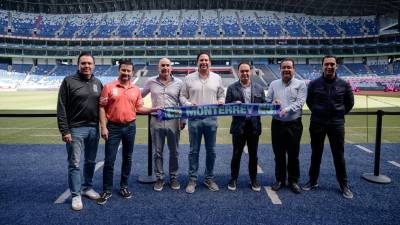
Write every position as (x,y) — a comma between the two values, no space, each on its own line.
(83,139)
(198,128)
(116,133)
(161,130)
(335,134)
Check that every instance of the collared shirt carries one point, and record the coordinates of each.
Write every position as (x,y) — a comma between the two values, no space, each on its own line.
(246,93)
(121,103)
(196,90)
(163,95)
(292,96)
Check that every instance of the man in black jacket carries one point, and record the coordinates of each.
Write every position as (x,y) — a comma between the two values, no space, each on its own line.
(78,122)
(245,129)
(329,98)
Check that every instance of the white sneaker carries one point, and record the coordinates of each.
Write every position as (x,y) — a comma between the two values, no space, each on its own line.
(90,193)
(77,203)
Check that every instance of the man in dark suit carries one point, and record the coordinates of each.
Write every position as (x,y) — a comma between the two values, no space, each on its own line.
(245,129)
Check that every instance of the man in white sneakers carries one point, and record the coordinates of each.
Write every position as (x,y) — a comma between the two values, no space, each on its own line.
(78,122)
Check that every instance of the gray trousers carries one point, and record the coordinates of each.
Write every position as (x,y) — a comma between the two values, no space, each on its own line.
(161,130)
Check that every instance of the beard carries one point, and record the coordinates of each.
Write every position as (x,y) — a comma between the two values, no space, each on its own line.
(125,77)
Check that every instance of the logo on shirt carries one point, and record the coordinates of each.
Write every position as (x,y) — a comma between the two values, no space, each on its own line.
(95,88)
(114,92)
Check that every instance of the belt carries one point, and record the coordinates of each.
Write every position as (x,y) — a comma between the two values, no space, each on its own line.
(121,124)
(297,120)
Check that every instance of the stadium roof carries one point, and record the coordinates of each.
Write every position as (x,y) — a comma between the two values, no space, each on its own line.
(313,7)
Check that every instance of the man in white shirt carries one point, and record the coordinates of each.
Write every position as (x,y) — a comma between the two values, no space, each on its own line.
(200,88)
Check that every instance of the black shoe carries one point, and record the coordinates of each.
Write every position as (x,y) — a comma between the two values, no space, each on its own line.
(255,186)
(346,192)
(104,197)
(232,185)
(125,193)
(159,185)
(310,185)
(174,184)
(295,188)
(277,185)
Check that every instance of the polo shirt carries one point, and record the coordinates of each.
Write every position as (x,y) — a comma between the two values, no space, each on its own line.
(121,103)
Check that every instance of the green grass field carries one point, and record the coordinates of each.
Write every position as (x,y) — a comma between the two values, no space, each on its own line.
(13,130)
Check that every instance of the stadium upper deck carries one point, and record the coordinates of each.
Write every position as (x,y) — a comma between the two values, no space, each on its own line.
(185,24)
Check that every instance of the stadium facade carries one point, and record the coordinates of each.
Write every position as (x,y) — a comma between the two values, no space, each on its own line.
(39,37)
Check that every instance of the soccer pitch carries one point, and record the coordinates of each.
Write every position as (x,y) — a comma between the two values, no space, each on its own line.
(43,130)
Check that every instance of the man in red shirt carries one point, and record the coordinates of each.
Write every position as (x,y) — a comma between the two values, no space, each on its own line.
(119,102)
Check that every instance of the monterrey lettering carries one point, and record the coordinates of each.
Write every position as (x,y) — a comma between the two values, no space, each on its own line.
(202,111)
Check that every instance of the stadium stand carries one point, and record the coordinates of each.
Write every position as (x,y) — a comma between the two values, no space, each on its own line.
(292,27)
(358,69)
(309,71)
(21,68)
(4,66)
(149,24)
(149,34)
(72,25)
(91,25)
(128,25)
(3,22)
(49,25)
(249,24)
(23,24)
(210,23)
(108,25)
(168,23)
(190,23)
(230,24)
(42,70)
(269,23)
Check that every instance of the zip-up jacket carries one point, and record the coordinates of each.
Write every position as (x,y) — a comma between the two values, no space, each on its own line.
(329,100)
(78,103)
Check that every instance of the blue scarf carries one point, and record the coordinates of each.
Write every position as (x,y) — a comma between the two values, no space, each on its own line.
(203,111)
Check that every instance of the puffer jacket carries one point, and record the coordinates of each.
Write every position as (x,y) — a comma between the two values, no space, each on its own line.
(329,100)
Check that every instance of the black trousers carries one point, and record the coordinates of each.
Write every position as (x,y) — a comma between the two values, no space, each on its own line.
(335,134)
(239,141)
(286,137)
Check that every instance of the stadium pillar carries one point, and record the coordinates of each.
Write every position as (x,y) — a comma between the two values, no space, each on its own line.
(376,177)
(150,178)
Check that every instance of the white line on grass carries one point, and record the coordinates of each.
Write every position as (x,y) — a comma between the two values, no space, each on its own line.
(394,163)
(64,196)
(273,196)
(259,169)
(246,151)
(364,148)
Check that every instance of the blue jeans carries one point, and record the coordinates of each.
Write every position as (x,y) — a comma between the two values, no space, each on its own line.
(116,133)
(198,128)
(86,139)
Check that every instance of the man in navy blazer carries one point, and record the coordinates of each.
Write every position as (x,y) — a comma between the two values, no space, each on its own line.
(245,129)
